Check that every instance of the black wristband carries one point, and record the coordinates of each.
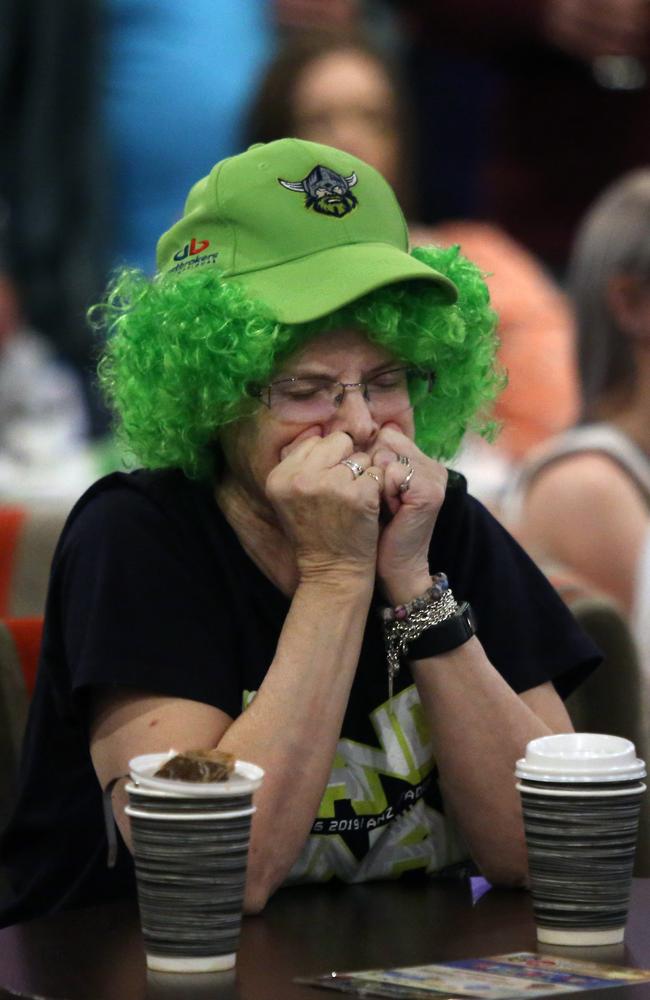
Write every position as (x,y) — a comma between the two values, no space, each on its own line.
(444,637)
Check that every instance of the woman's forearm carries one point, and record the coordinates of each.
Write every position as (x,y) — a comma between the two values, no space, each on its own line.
(479,728)
(292,726)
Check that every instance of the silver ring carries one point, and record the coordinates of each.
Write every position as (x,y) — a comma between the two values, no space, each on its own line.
(406,483)
(403,460)
(373,475)
(354,467)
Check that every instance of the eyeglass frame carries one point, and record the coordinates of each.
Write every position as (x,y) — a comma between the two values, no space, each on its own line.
(258,391)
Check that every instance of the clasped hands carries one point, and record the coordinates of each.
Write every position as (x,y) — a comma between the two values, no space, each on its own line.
(344,523)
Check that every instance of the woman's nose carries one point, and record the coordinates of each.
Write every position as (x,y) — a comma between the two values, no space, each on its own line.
(353,415)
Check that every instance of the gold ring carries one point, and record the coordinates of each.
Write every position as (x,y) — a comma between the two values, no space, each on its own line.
(373,475)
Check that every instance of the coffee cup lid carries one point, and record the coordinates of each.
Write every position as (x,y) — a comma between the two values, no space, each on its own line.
(580,757)
(245,779)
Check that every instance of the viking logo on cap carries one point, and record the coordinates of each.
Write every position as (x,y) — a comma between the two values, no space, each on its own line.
(326,191)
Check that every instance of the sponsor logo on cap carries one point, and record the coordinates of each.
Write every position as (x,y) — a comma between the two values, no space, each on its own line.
(326,191)
(192,248)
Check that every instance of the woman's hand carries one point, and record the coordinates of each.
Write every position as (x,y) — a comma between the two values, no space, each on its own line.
(330,516)
(403,548)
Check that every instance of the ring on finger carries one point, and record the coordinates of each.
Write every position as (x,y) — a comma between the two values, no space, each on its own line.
(406,482)
(354,467)
(373,475)
(403,459)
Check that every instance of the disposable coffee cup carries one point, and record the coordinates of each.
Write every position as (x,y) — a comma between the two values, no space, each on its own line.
(190,848)
(581,796)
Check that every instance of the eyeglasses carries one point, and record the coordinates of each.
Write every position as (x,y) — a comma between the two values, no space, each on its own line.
(316,397)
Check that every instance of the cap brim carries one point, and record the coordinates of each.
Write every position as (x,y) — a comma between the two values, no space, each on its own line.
(306,289)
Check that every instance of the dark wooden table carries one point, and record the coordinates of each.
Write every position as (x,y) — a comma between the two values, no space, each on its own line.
(97,954)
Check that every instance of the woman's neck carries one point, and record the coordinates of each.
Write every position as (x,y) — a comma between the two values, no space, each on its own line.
(254,522)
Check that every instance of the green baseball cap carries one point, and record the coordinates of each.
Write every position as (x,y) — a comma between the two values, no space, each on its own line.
(304,228)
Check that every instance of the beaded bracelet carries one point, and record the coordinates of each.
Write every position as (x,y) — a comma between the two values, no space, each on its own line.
(403,611)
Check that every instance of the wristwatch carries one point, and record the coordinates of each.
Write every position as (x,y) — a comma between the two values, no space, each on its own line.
(442,638)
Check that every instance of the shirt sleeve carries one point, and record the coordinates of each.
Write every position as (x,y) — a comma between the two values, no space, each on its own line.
(139,605)
(527,631)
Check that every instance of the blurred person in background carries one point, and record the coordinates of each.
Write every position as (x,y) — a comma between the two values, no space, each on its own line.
(54,249)
(99,151)
(52,189)
(44,431)
(583,500)
(178,77)
(342,91)
(555,95)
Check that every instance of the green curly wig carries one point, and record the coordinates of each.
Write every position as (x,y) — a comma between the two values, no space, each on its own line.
(181,354)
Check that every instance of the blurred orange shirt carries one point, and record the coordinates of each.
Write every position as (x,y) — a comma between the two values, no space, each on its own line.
(536,332)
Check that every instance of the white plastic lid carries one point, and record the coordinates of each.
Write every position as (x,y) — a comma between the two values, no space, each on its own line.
(580,757)
(246,778)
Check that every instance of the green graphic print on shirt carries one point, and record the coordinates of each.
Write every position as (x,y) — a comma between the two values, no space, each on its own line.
(381,813)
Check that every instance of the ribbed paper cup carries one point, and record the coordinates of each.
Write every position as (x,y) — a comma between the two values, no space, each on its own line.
(581,796)
(190,847)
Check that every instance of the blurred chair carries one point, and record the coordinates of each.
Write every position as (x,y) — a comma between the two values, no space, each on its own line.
(28,537)
(26,635)
(615,699)
(11,522)
(20,642)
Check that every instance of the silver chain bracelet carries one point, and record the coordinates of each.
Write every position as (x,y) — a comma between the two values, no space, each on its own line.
(398,633)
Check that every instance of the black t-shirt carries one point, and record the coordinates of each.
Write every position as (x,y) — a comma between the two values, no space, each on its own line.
(151,589)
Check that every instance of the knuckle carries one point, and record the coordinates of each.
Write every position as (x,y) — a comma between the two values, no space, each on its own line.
(305,486)
(274,484)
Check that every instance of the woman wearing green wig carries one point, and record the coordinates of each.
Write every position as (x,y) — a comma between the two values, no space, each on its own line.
(292,576)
